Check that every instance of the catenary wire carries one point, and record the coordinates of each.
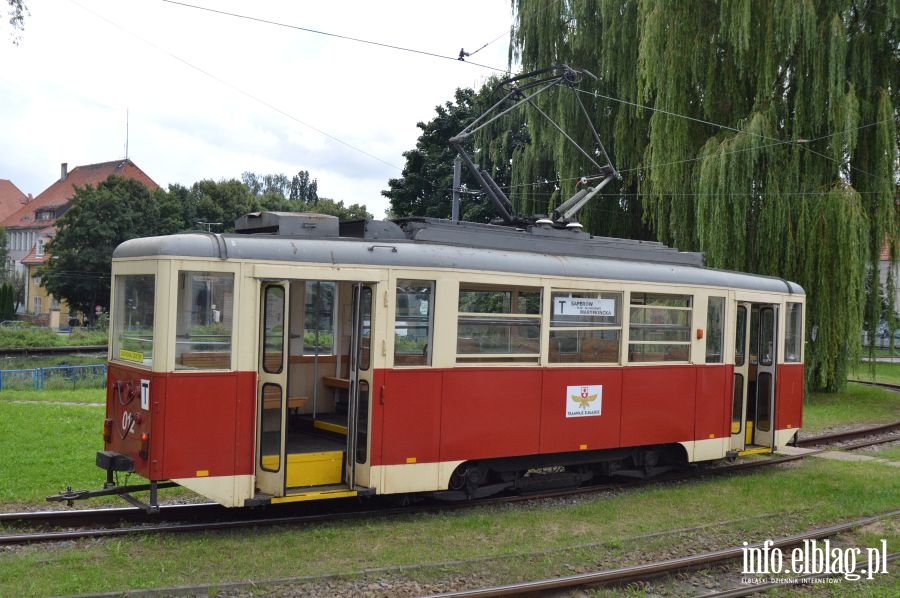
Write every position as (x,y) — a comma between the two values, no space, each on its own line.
(328,34)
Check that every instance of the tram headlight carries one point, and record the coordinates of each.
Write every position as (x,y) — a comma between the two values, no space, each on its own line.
(107,430)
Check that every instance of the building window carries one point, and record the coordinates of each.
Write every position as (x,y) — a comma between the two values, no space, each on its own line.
(585,327)
(498,324)
(38,305)
(39,249)
(659,327)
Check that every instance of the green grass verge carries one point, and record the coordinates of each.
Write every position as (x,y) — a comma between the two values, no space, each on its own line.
(34,336)
(46,447)
(856,404)
(68,395)
(892,453)
(510,542)
(880,371)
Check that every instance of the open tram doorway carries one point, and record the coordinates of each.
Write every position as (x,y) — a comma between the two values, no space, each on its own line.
(314,376)
(755,359)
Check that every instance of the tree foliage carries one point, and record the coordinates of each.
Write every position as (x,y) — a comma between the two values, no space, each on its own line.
(7,301)
(299,188)
(100,218)
(119,209)
(16,13)
(425,187)
(762,132)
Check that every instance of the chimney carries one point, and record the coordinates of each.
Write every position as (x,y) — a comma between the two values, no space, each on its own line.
(63,171)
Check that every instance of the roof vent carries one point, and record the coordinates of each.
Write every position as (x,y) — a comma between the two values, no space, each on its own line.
(288,224)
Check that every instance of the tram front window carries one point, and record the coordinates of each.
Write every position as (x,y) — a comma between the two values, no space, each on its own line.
(132,326)
(204,321)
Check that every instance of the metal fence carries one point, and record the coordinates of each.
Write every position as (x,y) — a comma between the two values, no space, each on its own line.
(58,377)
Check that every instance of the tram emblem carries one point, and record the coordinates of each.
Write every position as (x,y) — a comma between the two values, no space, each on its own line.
(584,401)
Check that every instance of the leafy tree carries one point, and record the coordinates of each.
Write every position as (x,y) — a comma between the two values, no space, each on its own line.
(100,218)
(299,188)
(216,205)
(17,11)
(763,133)
(425,187)
(277,193)
(7,302)
(337,208)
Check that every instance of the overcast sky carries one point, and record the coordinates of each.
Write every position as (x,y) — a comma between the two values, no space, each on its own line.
(210,96)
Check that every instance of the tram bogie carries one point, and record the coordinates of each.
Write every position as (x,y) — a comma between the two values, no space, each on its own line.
(310,360)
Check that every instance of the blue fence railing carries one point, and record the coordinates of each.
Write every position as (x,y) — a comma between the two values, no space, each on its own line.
(63,376)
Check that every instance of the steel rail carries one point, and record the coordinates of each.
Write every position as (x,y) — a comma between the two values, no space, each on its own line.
(657,569)
(850,435)
(183,518)
(764,587)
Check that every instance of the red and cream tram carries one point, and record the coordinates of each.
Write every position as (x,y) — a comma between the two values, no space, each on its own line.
(302,359)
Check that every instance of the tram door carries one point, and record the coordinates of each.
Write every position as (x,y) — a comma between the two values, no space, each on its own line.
(764,414)
(753,401)
(360,376)
(272,389)
(741,376)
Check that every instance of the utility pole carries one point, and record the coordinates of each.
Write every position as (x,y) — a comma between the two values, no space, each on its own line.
(457,177)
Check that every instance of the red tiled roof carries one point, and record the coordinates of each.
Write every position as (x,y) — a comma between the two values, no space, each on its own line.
(11,198)
(60,193)
(32,259)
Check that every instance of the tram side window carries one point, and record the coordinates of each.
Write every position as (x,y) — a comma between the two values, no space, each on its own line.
(715,330)
(659,327)
(132,328)
(414,322)
(793,337)
(585,327)
(204,321)
(498,324)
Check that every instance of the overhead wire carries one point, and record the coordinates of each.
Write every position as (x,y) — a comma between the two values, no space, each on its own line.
(233,87)
(334,35)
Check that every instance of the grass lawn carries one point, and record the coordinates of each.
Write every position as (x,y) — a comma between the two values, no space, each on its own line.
(508,542)
(36,336)
(884,372)
(856,404)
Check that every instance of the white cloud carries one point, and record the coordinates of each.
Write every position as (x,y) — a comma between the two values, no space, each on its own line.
(212,96)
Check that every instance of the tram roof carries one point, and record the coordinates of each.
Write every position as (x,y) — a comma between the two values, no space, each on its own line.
(380,247)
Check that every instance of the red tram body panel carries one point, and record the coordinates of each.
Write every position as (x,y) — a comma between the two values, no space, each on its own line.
(256,369)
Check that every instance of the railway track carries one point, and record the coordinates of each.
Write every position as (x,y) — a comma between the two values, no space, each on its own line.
(188,518)
(647,571)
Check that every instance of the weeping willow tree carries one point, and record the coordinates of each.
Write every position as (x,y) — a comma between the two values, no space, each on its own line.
(761,132)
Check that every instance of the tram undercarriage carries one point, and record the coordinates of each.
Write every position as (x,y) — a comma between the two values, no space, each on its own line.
(479,479)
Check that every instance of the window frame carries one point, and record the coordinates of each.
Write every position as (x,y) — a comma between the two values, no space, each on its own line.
(208,355)
(512,317)
(666,344)
(582,353)
(425,357)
